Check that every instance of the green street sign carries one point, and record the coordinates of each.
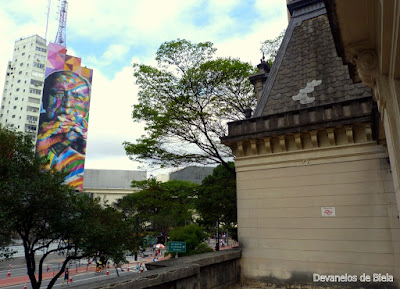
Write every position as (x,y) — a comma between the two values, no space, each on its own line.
(176,247)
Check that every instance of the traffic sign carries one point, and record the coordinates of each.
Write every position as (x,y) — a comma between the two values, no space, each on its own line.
(176,247)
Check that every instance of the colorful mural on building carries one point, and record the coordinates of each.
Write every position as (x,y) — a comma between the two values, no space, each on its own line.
(64,114)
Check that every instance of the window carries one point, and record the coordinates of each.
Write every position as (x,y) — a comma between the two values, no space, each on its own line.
(30,128)
(14,107)
(16,98)
(23,53)
(19,80)
(21,64)
(37,74)
(31,119)
(32,109)
(36,82)
(40,57)
(24,46)
(34,100)
(17,89)
(38,65)
(35,91)
(13,116)
(40,49)
(20,72)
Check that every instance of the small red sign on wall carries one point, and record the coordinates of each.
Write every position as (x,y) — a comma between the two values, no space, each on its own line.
(328,212)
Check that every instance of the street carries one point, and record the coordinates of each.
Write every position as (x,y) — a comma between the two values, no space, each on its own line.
(81,272)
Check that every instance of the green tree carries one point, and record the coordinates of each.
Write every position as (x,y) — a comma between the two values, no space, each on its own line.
(40,209)
(186,102)
(270,47)
(216,199)
(194,236)
(163,205)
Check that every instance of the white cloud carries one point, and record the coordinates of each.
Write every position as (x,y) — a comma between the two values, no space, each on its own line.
(114,52)
(110,122)
(115,28)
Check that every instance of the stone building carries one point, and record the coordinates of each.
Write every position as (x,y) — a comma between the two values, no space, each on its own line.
(317,163)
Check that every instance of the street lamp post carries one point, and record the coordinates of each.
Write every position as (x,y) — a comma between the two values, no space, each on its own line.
(217,239)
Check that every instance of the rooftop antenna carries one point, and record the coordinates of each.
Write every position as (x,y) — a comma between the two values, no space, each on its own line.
(61,37)
(47,22)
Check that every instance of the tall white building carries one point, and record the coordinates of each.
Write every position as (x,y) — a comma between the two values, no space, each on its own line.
(20,105)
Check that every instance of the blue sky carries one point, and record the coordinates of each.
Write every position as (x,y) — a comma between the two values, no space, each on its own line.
(110,35)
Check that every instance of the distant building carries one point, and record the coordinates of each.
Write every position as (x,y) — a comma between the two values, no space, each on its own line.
(111,185)
(23,86)
(191,174)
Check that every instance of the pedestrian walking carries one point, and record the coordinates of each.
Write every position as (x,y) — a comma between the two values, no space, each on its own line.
(66,276)
(141,268)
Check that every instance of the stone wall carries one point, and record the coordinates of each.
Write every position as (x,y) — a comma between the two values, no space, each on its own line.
(219,270)
(284,235)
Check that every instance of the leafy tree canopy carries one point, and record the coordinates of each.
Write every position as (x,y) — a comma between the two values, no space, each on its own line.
(216,198)
(163,205)
(270,47)
(37,207)
(186,102)
(194,236)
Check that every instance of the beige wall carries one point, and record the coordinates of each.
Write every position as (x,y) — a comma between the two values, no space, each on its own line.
(281,229)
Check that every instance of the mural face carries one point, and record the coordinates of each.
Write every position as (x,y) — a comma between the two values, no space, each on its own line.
(63,124)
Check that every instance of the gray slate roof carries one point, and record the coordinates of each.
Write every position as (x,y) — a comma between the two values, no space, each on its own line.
(192,174)
(308,57)
(115,179)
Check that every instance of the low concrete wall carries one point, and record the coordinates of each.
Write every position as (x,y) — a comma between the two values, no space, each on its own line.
(215,270)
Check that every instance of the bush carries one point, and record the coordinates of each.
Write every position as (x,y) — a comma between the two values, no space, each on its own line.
(194,236)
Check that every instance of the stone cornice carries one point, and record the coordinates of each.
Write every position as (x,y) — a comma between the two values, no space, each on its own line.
(308,119)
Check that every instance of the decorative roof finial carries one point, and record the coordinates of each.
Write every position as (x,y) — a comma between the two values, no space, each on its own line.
(263,58)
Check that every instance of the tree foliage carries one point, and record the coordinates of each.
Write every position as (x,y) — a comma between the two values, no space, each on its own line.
(194,237)
(270,47)
(216,199)
(163,205)
(40,209)
(186,102)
